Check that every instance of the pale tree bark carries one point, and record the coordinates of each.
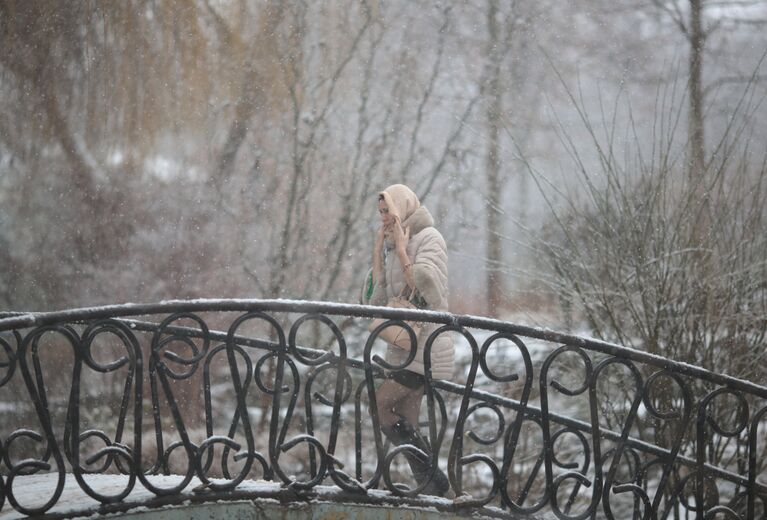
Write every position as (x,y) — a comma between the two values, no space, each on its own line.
(692,28)
(697,40)
(511,98)
(494,183)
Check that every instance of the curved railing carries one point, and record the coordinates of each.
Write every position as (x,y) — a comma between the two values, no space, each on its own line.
(534,422)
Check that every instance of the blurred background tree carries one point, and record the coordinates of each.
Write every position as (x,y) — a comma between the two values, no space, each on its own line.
(225,148)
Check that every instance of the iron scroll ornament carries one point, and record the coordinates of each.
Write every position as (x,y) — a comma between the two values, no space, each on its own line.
(158,355)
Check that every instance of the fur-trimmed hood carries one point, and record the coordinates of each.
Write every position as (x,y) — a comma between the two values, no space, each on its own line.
(419,220)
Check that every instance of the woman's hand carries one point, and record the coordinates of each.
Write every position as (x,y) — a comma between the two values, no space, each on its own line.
(401,237)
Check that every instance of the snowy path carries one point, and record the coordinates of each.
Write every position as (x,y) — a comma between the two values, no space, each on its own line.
(35,490)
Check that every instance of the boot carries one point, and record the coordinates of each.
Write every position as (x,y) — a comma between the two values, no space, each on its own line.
(402,432)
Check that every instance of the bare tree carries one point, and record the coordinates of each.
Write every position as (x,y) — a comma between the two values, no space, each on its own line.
(497,44)
(632,258)
(689,17)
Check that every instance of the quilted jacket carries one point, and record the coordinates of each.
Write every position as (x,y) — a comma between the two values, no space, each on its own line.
(427,251)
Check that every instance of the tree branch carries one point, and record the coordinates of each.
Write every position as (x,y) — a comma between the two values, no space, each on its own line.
(675,14)
(728,80)
(447,149)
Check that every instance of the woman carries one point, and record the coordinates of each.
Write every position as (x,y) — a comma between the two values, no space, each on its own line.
(410,258)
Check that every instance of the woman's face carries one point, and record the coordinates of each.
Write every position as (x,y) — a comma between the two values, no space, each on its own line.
(383,210)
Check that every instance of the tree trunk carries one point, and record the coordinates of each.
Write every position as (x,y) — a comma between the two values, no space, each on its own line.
(697,42)
(697,159)
(494,183)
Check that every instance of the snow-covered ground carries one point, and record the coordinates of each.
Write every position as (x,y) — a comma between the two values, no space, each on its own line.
(36,489)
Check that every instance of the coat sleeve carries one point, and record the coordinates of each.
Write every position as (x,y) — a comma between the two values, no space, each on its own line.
(430,270)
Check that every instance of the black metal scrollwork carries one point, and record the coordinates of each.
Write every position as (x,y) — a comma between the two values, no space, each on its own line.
(682,442)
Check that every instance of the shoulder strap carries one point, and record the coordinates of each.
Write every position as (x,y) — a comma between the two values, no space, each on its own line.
(411,295)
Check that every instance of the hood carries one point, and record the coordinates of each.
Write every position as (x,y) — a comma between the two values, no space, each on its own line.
(401,200)
(418,221)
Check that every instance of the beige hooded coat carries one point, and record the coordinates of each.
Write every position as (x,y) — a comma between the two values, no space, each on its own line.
(427,252)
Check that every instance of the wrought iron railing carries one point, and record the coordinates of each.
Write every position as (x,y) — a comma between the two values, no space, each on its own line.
(534,423)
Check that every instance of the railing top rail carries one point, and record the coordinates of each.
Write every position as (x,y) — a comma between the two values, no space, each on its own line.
(36,319)
(531,439)
(459,389)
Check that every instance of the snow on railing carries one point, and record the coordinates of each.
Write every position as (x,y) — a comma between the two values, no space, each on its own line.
(533,421)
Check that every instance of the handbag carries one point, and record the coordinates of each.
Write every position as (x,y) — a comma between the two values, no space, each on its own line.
(394,334)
